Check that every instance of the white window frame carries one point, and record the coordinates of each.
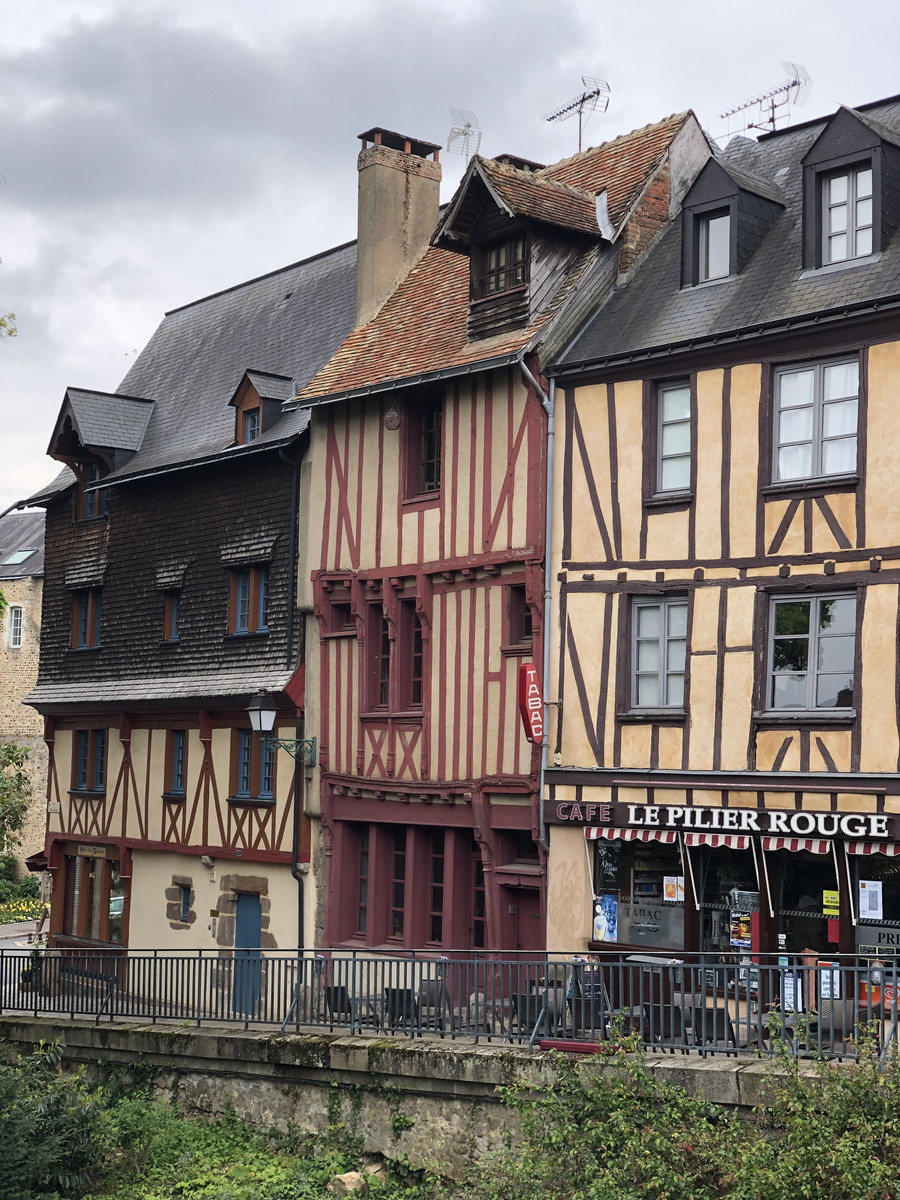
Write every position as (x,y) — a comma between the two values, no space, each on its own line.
(814,637)
(16,616)
(853,227)
(818,438)
(703,228)
(664,604)
(661,423)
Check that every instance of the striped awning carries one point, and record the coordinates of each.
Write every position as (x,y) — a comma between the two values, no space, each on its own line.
(729,841)
(813,845)
(892,849)
(611,834)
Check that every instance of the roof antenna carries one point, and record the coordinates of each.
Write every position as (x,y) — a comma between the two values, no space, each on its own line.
(793,90)
(595,96)
(465,129)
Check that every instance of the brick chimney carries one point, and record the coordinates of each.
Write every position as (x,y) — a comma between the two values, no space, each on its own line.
(399,195)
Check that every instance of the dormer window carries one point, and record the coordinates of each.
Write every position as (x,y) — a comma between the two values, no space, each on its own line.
(96,503)
(847,215)
(714,246)
(503,266)
(251,425)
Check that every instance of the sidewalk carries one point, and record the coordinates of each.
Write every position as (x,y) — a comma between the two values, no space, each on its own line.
(16,934)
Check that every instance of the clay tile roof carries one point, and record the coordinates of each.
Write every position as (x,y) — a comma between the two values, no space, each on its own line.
(620,166)
(542,199)
(422,327)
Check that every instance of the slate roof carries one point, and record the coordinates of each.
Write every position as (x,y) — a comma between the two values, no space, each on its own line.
(106,420)
(652,312)
(22,531)
(421,330)
(272,387)
(232,682)
(283,325)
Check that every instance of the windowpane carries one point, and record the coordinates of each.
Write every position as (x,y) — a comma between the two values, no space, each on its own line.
(675,656)
(796,387)
(814,668)
(792,616)
(836,653)
(864,182)
(676,438)
(675,693)
(659,653)
(676,404)
(834,691)
(676,474)
(840,380)
(863,213)
(789,691)
(839,458)
(677,619)
(648,656)
(863,242)
(837,219)
(648,620)
(837,247)
(648,691)
(837,189)
(795,462)
(837,615)
(840,418)
(714,251)
(796,425)
(790,654)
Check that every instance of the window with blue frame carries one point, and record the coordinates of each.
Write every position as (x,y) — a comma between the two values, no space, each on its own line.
(89,773)
(249,604)
(86,619)
(254,768)
(176,762)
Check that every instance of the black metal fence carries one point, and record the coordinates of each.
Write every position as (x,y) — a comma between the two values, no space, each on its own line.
(703,1006)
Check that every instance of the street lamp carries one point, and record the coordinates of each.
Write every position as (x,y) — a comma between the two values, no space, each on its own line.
(261,711)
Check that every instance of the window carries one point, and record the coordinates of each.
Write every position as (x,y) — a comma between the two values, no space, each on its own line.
(713,246)
(479,909)
(423,447)
(436,889)
(15,626)
(337,606)
(673,458)
(172,612)
(847,215)
(362,908)
(813,641)
(17,556)
(89,765)
(396,666)
(86,619)
(659,648)
(96,503)
(503,266)
(94,898)
(398,882)
(630,884)
(253,768)
(249,601)
(815,420)
(518,618)
(176,763)
(185,904)
(252,428)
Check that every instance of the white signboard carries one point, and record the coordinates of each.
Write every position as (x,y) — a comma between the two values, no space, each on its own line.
(871,907)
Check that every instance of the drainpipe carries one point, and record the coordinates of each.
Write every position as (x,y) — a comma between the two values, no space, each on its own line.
(548,405)
(299,791)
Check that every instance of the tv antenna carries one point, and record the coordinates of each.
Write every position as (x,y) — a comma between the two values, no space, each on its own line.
(772,105)
(465,130)
(595,96)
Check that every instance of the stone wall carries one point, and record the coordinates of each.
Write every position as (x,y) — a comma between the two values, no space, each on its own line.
(435,1101)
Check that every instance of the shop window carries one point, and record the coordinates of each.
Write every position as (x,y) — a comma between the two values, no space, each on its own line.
(876,881)
(14,617)
(398,882)
(436,888)
(808,889)
(248,609)
(479,909)
(816,414)
(639,894)
(89,762)
(171,616)
(176,764)
(422,446)
(519,631)
(659,652)
(94,899)
(86,619)
(252,768)
(726,881)
(811,653)
(673,438)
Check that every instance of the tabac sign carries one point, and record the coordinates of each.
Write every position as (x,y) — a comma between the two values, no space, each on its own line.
(531,702)
(727,820)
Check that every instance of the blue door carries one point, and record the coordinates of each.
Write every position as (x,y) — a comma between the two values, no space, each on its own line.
(247,961)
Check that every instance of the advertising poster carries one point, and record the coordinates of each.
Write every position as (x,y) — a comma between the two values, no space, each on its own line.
(871,907)
(606,919)
(673,889)
(740,929)
(831,904)
(829,982)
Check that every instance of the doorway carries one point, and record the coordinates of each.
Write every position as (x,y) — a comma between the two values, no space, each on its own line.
(247,956)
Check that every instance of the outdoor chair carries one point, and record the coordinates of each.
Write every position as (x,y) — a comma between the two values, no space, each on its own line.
(344,1009)
(528,1012)
(837,1023)
(589,1007)
(401,1008)
(712,1027)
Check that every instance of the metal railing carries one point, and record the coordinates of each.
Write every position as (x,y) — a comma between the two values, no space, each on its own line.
(699,1004)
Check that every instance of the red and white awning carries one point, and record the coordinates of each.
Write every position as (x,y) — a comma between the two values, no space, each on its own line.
(612,834)
(813,845)
(729,841)
(892,849)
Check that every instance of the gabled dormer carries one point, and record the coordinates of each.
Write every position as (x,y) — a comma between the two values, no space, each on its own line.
(725,215)
(521,233)
(257,402)
(851,190)
(95,433)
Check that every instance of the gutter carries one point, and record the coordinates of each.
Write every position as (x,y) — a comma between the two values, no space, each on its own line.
(548,405)
(13,507)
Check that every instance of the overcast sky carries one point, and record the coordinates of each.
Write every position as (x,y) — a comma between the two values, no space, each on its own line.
(154,151)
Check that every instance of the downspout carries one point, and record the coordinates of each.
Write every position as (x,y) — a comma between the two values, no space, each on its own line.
(299,727)
(548,405)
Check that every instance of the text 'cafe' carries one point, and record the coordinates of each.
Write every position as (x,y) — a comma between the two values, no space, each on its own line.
(725,878)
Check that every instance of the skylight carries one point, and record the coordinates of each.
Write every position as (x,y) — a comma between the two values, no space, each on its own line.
(17,556)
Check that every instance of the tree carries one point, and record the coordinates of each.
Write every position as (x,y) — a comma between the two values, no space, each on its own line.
(14,793)
(8,326)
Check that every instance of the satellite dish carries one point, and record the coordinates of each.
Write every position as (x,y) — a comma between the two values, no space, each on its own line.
(594,97)
(465,129)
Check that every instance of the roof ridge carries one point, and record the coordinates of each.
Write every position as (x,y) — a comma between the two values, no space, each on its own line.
(622,137)
(533,177)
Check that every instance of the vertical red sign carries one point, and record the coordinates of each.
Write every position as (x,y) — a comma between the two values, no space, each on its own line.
(531,702)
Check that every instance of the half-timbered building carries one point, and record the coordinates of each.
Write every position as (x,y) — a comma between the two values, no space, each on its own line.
(429,432)
(724,769)
(169,601)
